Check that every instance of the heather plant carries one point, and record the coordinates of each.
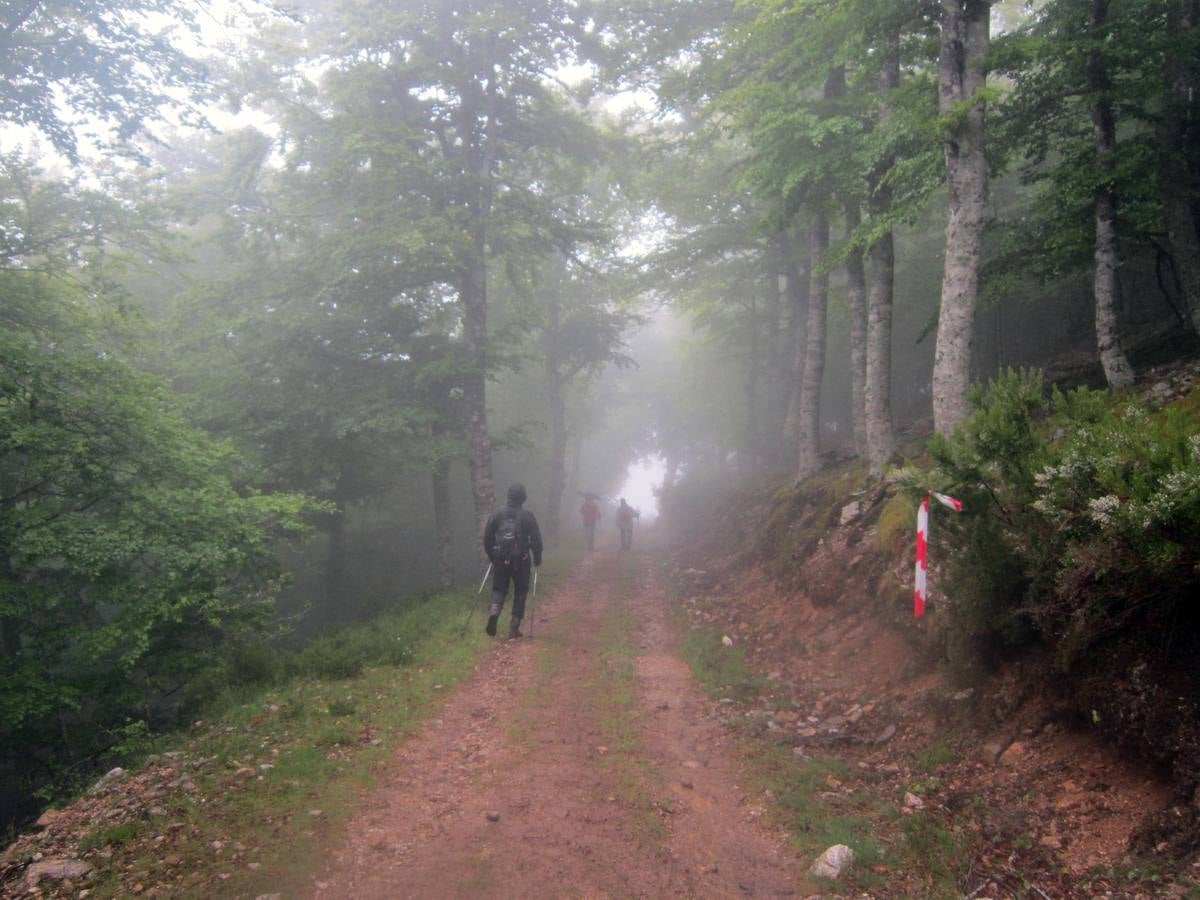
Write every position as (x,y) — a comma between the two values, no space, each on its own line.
(1081,523)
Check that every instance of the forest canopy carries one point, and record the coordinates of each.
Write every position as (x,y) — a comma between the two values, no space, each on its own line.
(262,381)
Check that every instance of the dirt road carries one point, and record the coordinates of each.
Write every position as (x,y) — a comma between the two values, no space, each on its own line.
(581,763)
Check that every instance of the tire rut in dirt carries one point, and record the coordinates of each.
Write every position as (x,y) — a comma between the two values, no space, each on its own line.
(511,793)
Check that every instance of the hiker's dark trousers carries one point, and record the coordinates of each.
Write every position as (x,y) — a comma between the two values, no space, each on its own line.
(519,576)
(626,537)
(589,528)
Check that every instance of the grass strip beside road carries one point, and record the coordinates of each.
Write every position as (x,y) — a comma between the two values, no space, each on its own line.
(260,788)
(821,799)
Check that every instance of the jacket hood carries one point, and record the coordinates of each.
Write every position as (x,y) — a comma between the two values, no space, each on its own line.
(516,494)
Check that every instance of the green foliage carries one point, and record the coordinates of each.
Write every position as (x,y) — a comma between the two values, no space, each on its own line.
(894,529)
(1082,515)
(934,756)
(936,852)
(131,552)
(1045,124)
(115,63)
(108,837)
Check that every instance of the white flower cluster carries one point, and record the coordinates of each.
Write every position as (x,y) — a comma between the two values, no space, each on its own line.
(1195,441)
(1104,509)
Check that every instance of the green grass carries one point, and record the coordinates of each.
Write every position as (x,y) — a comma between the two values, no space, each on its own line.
(720,670)
(823,800)
(108,837)
(632,780)
(311,745)
(936,853)
(936,755)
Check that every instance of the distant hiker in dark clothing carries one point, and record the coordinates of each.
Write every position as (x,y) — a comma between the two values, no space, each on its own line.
(510,539)
(590,513)
(625,516)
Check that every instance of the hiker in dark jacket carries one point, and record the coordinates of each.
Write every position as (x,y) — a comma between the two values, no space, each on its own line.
(625,516)
(511,541)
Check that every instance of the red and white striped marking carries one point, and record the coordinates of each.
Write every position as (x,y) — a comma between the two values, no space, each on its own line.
(922,580)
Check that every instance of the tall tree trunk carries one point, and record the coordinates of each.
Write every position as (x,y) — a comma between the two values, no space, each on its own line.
(476,121)
(1179,131)
(961,75)
(1117,370)
(877,393)
(809,406)
(799,284)
(778,319)
(473,295)
(442,523)
(750,388)
(559,437)
(856,297)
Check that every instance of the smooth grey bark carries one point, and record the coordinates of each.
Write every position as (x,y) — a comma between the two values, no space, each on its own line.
(965,39)
(856,298)
(442,524)
(780,323)
(1178,129)
(475,123)
(809,403)
(881,258)
(1117,371)
(799,282)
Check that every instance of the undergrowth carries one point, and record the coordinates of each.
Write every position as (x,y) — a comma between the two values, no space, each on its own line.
(280,758)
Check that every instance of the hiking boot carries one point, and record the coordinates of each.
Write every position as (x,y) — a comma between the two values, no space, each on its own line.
(514,629)
(493,616)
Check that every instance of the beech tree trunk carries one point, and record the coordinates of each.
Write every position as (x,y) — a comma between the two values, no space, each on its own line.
(780,330)
(856,297)
(877,390)
(476,121)
(750,388)
(809,404)
(1179,130)
(965,40)
(1117,371)
(443,526)
(473,296)
(799,283)
(558,455)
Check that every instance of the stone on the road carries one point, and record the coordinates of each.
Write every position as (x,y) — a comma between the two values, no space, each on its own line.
(833,863)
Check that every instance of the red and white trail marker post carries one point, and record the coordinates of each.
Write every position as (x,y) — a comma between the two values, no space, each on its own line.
(921,592)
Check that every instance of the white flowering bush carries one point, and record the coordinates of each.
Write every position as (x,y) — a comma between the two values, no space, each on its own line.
(1082,519)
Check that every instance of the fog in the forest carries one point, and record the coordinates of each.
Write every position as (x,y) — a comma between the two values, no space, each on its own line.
(288,303)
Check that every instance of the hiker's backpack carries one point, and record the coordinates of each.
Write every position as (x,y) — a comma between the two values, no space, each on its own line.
(509,545)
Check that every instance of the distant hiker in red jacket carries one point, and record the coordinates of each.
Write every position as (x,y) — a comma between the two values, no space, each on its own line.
(590,513)
(625,516)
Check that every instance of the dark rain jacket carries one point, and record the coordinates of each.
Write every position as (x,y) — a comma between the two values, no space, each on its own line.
(530,532)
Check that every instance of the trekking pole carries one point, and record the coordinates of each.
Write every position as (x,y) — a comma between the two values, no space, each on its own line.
(531,599)
(474,602)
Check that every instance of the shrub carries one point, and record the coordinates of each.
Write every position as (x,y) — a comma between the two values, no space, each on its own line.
(1082,518)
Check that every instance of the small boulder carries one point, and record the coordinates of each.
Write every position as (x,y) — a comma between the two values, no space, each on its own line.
(886,735)
(912,801)
(107,778)
(48,818)
(833,863)
(1012,754)
(850,512)
(55,870)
